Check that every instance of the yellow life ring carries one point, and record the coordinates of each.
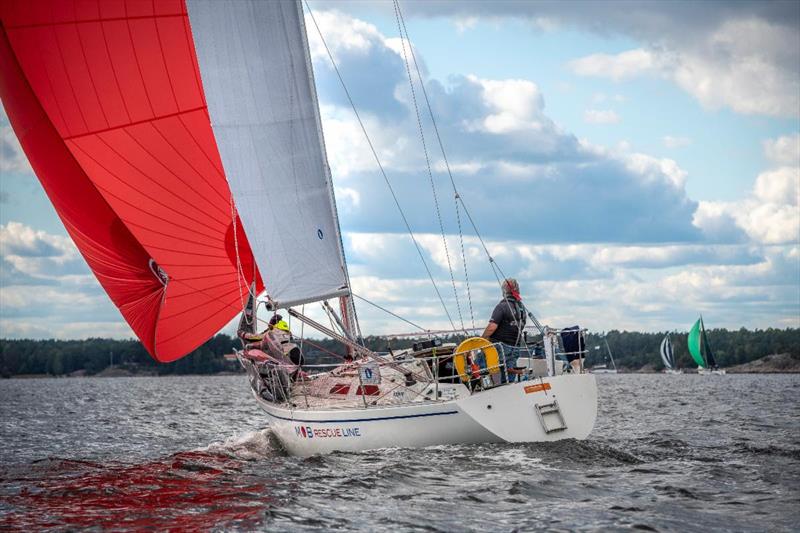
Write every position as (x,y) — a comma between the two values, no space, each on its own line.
(483,353)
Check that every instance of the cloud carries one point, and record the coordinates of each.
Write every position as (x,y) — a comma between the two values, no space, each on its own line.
(465,23)
(12,158)
(741,55)
(783,150)
(617,67)
(513,105)
(500,143)
(20,240)
(739,65)
(771,213)
(676,142)
(594,116)
(32,257)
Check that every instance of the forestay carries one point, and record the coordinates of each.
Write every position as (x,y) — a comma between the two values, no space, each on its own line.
(256,71)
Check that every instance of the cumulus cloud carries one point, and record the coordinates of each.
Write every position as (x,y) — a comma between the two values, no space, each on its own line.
(771,213)
(12,158)
(513,105)
(742,55)
(636,286)
(738,65)
(46,289)
(783,150)
(501,144)
(617,67)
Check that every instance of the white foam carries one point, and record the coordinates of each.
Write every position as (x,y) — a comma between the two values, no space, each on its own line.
(247,446)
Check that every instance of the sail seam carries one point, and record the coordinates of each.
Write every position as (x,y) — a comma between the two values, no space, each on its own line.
(134,123)
(114,72)
(109,193)
(149,197)
(164,62)
(138,63)
(186,185)
(91,78)
(91,21)
(69,78)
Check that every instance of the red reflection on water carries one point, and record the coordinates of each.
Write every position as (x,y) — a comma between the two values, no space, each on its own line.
(187,491)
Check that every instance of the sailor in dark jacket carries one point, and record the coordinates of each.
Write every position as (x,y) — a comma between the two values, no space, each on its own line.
(506,326)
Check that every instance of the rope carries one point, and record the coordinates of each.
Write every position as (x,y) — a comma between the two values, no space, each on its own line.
(380,166)
(393,314)
(239,271)
(399,14)
(464,261)
(425,149)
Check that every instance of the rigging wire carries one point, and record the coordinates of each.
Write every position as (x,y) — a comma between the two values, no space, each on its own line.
(457,196)
(380,166)
(403,41)
(394,314)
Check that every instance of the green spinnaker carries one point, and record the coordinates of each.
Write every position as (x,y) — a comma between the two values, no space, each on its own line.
(694,344)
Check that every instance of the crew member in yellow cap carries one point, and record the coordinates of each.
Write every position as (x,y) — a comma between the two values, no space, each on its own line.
(279,331)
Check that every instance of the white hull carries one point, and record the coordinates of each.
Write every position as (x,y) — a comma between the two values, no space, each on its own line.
(503,414)
(707,371)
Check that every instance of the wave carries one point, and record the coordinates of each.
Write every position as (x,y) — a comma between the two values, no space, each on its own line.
(249,446)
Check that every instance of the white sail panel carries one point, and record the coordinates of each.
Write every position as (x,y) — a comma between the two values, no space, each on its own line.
(256,72)
(666,353)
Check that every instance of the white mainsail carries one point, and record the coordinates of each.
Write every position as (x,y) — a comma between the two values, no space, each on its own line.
(256,70)
(666,353)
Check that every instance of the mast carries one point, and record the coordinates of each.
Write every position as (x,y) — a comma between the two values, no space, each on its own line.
(609,353)
(346,304)
(711,361)
(703,342)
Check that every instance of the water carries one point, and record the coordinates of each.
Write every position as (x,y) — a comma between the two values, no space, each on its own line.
(668,453)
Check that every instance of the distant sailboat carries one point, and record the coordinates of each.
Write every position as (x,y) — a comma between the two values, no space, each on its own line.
(604,369)
(701,350)
(668,357)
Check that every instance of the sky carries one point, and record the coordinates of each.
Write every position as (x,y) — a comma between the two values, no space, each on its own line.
(632,164)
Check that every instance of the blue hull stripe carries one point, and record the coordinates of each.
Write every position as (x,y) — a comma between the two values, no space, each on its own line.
(361,419)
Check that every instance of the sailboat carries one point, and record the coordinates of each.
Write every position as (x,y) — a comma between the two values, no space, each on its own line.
(668,357)
(603,368)
(701,350)
(181,145)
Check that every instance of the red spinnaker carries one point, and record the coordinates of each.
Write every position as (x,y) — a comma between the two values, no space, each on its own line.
(106,100)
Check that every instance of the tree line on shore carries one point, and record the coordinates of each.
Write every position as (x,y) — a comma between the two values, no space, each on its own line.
(631,350)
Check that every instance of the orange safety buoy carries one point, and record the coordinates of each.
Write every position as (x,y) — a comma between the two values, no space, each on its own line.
(468,365)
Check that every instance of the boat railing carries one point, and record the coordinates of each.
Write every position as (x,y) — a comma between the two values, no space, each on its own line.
(289,384)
